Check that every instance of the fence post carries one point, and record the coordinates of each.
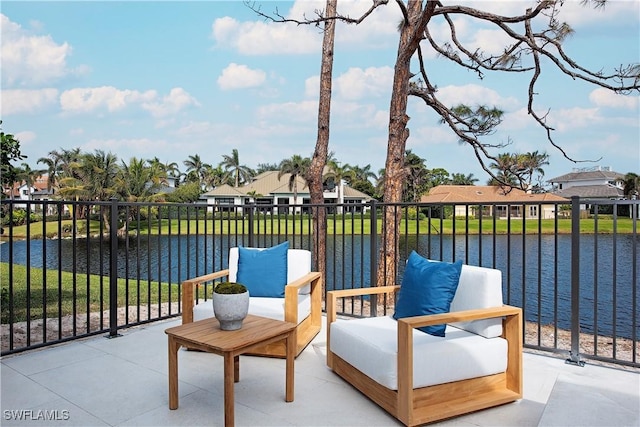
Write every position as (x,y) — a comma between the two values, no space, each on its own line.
(574,355)
(113,270)
(252,208)
(373,230)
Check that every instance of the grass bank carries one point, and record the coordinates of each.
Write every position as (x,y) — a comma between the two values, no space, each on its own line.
(335,225)
(67,294)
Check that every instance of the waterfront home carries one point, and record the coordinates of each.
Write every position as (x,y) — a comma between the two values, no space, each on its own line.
(491,200)
(268,189)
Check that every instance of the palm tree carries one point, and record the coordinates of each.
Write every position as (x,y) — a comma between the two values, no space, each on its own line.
(417,177)
(213,177)
(29,176)
(506,167)
(99,172)
(631,185)
(338,173)
(363,173)
(361,181)
(462,179)
(195,168)
(60,165)
(296,167)
(137,182)
(232,166)
(265,167)
(530,163)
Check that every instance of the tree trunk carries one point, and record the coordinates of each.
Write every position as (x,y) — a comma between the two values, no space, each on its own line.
(319,160)
(411,34)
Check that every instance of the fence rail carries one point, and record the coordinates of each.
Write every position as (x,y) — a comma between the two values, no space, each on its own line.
(73,269)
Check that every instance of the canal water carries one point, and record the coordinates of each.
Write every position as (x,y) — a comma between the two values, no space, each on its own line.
(536,269)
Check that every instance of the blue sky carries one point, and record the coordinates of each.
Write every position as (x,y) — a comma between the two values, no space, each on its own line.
(172,79)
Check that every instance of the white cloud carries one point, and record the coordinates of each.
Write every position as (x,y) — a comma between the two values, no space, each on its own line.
(312,87)
(240,77)
(140,147)
(32,60)
(18,101)
(177,100)
(26,137)
(305,111)
(264,38)
(358,83)
(571,11)
(111,99)
(605,98)
(516,120)
(572,118)
(474,95)
(578,15)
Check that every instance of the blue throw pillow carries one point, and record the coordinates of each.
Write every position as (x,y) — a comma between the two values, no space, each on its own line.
(428,287)
(263,271)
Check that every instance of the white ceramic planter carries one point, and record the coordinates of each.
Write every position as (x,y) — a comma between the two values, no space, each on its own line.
(230,309)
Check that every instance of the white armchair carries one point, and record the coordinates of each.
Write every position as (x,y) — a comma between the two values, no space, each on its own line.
(420,378)
(302,302)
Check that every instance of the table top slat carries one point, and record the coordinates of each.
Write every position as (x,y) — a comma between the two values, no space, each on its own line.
(207,332)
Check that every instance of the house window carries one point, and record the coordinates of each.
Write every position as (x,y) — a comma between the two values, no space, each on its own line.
(267,205)
(225,204)
(283,205)
(533,211)
(353,206)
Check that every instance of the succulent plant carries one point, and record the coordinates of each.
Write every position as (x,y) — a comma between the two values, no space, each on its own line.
(230,288)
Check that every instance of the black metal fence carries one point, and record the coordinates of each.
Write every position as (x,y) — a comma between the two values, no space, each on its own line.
(74,269)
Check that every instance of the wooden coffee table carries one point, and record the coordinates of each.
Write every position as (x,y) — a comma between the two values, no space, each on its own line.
(206,335)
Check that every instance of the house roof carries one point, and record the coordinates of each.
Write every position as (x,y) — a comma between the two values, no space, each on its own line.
(603,191)
(484,194)
(268,184)
(590,175)
(225,190)
(352,193)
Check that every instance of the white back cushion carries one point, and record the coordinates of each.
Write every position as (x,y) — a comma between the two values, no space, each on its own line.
(479,287)
(298,264)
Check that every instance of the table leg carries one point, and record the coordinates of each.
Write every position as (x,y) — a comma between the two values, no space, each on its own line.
(173,373)
(229,378)
(291,357)
(236,368)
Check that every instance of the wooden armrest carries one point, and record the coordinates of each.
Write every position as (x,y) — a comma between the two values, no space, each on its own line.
(332,297)
(460,316)
(291,291)
(512,332)
(188,287)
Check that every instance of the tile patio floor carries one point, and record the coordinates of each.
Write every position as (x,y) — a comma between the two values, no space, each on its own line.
(123,382)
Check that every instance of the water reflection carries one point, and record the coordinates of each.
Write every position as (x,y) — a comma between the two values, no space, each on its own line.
(536,269)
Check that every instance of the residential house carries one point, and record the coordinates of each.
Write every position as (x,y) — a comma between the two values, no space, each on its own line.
(503,202)
(38,191)
(269,192)
(598,182)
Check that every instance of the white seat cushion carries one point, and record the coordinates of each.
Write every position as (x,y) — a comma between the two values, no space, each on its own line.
(272,308)
(370,345)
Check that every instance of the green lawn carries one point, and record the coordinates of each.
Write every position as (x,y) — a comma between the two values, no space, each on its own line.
(336,225)
(87,291)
